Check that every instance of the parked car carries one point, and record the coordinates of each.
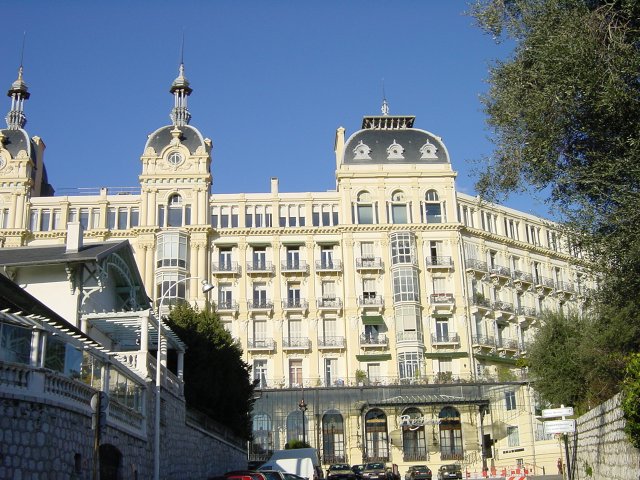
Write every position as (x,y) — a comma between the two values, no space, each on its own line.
(418,472)
(244,475)
(292,476)
(275,474)
(357,469)
(375,471)
(340,471)
(449,471)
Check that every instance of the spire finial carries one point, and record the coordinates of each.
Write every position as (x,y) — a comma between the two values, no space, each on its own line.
(181,90)
(19,92)
(385,105)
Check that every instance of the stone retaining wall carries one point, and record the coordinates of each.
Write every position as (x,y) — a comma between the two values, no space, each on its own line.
(48,440)
(603,450)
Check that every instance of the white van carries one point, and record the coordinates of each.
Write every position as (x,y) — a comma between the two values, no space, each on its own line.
(299,461)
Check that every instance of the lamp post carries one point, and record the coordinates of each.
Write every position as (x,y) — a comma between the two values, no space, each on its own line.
(303,408)
(206,287)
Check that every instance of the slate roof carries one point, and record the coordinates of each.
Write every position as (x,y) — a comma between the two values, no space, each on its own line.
(52,254)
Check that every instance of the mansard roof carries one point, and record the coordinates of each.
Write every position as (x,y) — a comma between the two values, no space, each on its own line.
(190,137)
(56,254)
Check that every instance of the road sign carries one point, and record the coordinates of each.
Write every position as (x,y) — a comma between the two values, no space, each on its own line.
(557,412)
(559,426)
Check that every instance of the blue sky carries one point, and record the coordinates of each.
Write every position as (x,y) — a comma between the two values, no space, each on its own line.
(272,81)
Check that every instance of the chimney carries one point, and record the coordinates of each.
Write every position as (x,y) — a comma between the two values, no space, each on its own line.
(274,185)
(74,237)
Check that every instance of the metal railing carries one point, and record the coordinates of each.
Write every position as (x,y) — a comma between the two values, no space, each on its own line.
(527,311)
(503,306)
(439,261)
(294,304)
(565,287)
(500,271)
(371,300)
(226,305)
(225,267)
(261,343)
(300,266)
(332,342)
(522,276)
(451,337)
(544,282)
(260,267)
(371,263)
(483,340)
(329,265)
(508,344)
(379,339)
(409,336)
(330,302)
(259,304)
(296,342)
(442,298)
(477,265)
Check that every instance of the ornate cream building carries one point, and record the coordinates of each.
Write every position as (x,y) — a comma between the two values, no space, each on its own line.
(394,280)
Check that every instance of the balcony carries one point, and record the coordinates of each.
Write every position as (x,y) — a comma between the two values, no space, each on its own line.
(483,342)
(564,290)
(332,343)
(369,263)
(368,340)
(480,304)
(225,268)
(412,337)
(439,339)
(522,280)
(442,302)
(260,268)
(543,285)
(508,345)
(263,305)
(499,274)
(296,343)
(226,306)
(328,266)
(503,310)
(478,268)
(526,315)
(294,267)
(439,263)
(371,300)
(329,303)
(294,304)
(262,344)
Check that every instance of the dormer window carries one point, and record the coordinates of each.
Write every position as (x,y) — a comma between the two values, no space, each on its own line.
(395,151)
(175,158)
(428,151)
(362,151)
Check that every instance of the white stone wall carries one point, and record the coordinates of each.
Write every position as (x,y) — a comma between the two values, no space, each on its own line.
(602,447)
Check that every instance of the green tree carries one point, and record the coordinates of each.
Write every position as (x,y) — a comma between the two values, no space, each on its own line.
(217,380)
(563,111)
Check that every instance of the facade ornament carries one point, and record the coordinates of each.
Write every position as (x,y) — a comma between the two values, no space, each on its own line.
(395,151)
(362,151)
(428,151)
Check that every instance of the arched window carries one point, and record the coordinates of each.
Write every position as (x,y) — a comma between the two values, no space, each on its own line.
(333,438)
(294,426)
(414,442)
(450,434)
(364,208)
(175,209)
(432,207)
(376,437)
(398,208)
(262,437)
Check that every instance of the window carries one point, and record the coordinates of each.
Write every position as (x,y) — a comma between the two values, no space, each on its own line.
(373,371)
(15,344)
(466,216)
(172,250)
(326,257)
(333,449)
(366,250)
(294,330)
(330,371)
(225,296)
(408,320)
(329,329)
(261,437)
(123,218)
(513,436)
(259,258)
(364,209)
(409,365)
(45,220)
(293,258)
(439,285)
(260,295)
(260,373)
(450,434)
(402,248)
(376,438)
(511,229)
(510,400)
(171,287)
(328,290)
(293,294)
(4,217)
(368,289)
(259,333)
(398,208)
(435,252)
(224,257)
(405,285)
(442,329)
(414,442)
(432,207)
(295,372)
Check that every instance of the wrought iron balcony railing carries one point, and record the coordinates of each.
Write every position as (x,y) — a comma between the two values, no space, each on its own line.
(260,267)
(451,337)
(226,305)
(369,263)
(259,304)
(442,298)
(330,302)
(377,339)
(302,343)
(300,266)
(328,265)
(439,262)
(331,342)
(294,304)
(370,300)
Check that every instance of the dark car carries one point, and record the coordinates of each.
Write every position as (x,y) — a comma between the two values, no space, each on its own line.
(375,471)
(418,472)
(357,469)
(273,474)
(449,471)
(244,475)
(340,471)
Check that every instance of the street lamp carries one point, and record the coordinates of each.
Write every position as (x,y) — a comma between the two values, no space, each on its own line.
(206,287)
(303,408)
